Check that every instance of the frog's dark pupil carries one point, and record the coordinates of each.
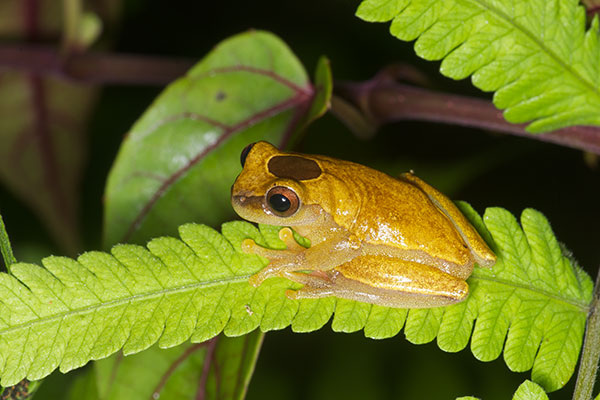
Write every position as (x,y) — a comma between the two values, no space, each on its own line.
(245,153)
(279,202)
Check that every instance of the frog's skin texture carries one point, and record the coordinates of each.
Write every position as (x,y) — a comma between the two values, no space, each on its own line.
(374,238)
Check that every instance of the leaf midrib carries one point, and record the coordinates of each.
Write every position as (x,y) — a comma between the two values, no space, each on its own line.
(581,306)
(500,14)
(128,299)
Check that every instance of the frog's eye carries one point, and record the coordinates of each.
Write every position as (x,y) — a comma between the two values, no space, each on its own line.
(245,153)
(283,201)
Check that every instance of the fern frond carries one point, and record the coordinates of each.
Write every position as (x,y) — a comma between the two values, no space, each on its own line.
(535,54)
(526,391)
(530,391)
(534,302)
(71,311)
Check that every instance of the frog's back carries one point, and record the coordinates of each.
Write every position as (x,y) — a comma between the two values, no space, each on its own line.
(396,213)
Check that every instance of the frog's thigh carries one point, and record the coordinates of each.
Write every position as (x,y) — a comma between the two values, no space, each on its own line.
(385,281)
(482,253)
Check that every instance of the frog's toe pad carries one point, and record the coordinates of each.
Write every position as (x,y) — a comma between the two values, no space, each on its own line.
(256,280)
(249,246)
(286,235)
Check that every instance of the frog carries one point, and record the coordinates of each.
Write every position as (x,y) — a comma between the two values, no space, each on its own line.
(390,241)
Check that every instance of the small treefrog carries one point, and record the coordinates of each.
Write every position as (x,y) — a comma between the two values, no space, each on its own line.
(374,238)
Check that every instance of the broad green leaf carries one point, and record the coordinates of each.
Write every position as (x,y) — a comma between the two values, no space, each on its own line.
(42,147)
(254,84)
(218,369)
(12,23)
(468,398)
(534,301)
(233,366)
(43,123)
(84,387)
(179,160)
(536,55)
(530,391)
(8,257)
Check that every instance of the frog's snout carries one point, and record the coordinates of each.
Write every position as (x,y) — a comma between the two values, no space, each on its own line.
(248,207)
(241,200)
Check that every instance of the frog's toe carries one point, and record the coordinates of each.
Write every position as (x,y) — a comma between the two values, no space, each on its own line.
(317,284)
(313,279)
(269,271)
(287,236)
(249,246)
(309,292)
(256,280)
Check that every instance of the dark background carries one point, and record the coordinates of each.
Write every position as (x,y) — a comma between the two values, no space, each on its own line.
(483,168)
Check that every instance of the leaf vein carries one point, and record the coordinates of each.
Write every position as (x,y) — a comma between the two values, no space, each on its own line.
(124,300)
(541,45)
(581,306)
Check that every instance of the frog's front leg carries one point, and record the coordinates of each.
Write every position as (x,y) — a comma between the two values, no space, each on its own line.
(382,280)
(336,250)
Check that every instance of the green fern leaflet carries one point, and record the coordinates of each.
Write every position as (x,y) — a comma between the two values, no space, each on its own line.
(70,312)
(535,54)
(530,391)
(526,391)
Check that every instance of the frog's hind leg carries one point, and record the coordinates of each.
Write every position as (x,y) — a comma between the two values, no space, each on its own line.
(384,281)
(317,284)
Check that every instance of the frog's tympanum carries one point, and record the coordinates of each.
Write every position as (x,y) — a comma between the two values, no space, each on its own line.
(374,238)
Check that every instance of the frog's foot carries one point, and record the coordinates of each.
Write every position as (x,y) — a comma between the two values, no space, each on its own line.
(282,261)
(276,268)
(286,235)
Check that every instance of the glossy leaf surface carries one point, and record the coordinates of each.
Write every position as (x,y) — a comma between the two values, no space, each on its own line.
(179,160)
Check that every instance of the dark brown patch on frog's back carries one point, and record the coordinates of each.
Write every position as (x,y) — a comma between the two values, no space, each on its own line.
(294,167)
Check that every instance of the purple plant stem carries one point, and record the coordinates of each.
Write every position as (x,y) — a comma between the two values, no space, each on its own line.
(382,100)
(99,68)
(208,363)
(173,367)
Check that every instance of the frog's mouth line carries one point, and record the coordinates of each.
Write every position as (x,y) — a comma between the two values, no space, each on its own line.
(243,204)
(246,201)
